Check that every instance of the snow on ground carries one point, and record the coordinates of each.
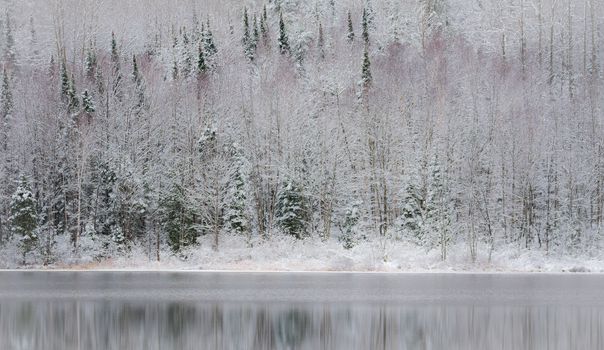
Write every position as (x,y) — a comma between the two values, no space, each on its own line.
(288,254)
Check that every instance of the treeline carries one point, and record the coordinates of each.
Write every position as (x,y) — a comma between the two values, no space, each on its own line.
(330,121)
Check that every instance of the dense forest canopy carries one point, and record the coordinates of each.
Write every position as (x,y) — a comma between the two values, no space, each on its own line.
(435,122)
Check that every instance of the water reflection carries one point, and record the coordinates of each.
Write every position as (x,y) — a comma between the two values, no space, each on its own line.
(96,325)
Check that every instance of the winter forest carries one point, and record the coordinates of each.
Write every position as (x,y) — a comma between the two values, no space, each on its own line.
(447,130)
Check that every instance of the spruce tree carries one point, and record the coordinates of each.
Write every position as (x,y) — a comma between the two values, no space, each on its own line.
(178,218)
(209,46)
(321,43)
(24,219)
(365,26)
(412,217)
(283,40)
(9,51)
(74,101)
(246,33)
(115,65)
(6,109)
(236,215)
(87,102)
(292,209)
(350,35)
(65,83)
(366,77)
(202,67)
(91,63)
(264,26)
(349,225)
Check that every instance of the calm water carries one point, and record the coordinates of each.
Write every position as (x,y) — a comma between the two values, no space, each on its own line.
(148,311)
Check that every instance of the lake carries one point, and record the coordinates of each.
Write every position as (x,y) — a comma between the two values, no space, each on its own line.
(213,310)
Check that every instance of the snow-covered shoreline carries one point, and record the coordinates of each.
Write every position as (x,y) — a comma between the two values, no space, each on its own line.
(285,254)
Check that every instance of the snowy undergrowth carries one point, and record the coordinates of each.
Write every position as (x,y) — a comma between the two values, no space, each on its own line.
(290,254)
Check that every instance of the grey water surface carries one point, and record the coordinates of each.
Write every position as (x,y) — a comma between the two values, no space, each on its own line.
(203,310)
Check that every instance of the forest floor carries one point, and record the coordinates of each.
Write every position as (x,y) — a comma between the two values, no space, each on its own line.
(285,254)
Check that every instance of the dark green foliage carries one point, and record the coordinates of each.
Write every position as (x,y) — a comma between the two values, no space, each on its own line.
(202,67)
(350,35)
(365,25)
(178,218)
(24,219)
(283,39)
(292,209)
(366,77)
(321,43)
(87,102)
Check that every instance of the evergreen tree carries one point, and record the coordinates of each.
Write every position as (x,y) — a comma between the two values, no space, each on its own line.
(321,43)
(6,109)
(209,46)
(87,103)
(350,35)
(202,67)
(9,51)
(292,209)
(366,77)
(24,218)
(264,25)
(74,101)
(65,83)
(236,216)
(283,40)
(91,63)
(115,65)
(412,219)
(246,40)
(365,26)
(349,225)
(139,87)
(185,55)
(178,218)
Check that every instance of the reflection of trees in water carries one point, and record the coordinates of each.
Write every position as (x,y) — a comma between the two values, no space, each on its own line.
(182,326)
(291,327)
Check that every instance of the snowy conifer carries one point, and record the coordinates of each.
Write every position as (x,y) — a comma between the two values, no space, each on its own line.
(283,39)
(24,219)
(177,218)
(87,102)
(292,209)
(350,34)
(236,216)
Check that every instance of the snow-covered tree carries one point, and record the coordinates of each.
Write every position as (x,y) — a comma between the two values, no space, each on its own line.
(283,38)
(24,218)
(237,200)
(178,218)
(292,209)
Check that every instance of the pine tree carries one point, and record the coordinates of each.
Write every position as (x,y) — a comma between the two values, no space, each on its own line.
(139,87)
(366,77)
(349,225)
(236,215)
(202,67)
(74,101)
(321,43)
(246,40)
(178,218)
(412,219)
(87,102)
(264,26)
(350,35)
(283,40)
(292,209)
(24,219)
(116,69)
(185,56)
(365,25)
(209,46)
(6,110)
(9,51)
(91,63)
(65,83)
